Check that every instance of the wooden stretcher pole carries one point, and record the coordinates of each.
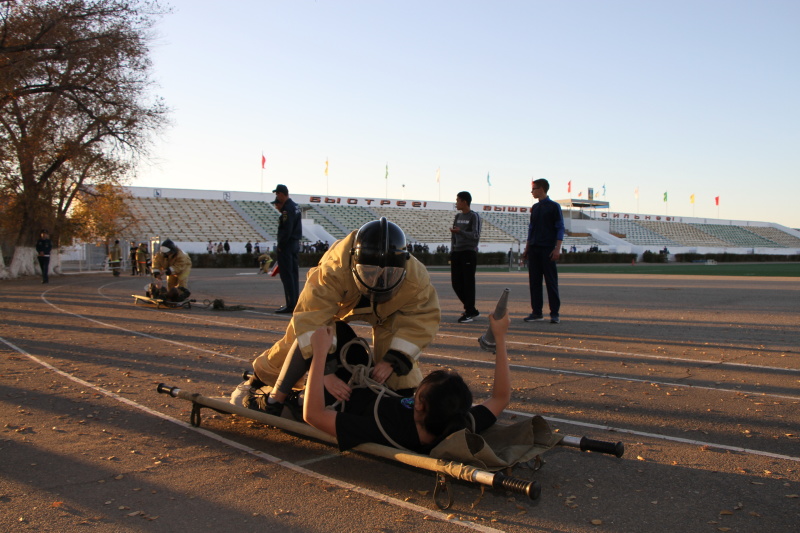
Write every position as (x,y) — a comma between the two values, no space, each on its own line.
(497,480)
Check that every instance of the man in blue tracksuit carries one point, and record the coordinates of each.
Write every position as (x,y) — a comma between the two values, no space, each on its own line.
(543,248)
(290,231)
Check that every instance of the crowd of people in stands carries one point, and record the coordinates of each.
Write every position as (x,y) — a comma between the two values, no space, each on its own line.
(417,248)
(317,247)
(219,247)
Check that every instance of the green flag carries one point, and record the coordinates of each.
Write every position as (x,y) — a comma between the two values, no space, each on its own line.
(665,196)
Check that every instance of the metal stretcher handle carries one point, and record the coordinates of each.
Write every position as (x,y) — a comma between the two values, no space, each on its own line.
(163,388)
(585,444)
(531,489)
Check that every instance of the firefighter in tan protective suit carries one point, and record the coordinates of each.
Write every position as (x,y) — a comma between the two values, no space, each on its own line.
(369,277)
(174,263)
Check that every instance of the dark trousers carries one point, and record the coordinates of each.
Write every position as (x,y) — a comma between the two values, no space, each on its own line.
(289,270)
(462,277)
(296,366)
(541,266)
(44,264)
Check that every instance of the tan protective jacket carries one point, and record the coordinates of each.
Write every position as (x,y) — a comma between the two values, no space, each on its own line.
(406,323)
(180,266)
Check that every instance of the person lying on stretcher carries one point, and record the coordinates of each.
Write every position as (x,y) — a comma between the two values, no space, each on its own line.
(441,405)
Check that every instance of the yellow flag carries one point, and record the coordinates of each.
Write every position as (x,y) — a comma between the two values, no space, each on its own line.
(438,175)
(691,199)
(326,166)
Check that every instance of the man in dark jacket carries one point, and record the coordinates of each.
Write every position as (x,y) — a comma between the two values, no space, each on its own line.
(545,234)
(43,248)
(290,231)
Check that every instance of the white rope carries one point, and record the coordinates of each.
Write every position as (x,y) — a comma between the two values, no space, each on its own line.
(360,379)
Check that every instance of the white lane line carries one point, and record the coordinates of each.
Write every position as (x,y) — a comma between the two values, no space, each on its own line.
(619,378)
(257,453)
(665,437)
(464,360)
(524,344)
(637,355)
(147,335)
(187,316)
(521,367)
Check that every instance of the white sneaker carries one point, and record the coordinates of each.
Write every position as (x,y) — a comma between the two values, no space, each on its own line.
(242,393)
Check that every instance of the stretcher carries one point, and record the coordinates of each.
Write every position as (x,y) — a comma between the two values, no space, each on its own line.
(444,470)
(185,304)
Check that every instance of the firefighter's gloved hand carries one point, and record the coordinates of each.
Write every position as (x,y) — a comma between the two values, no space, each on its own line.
(401,363)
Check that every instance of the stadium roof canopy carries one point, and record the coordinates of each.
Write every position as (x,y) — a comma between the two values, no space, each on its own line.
(580,203)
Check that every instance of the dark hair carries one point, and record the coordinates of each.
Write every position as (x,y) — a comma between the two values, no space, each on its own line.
(447,402)
(464,195)
(543,183)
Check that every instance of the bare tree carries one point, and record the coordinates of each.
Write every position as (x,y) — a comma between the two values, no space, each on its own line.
(74,107)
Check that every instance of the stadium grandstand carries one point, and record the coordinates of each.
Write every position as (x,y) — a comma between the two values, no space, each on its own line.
(193,218)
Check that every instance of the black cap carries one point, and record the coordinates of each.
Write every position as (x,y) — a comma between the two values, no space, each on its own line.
(282,188)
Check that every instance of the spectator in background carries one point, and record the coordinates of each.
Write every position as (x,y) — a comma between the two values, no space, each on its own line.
(115,257)
(226,247)
(132,257)
(290,232)
(248,248)
(141,259)
(464,237)
(542,250)
(43,248)
(210,248)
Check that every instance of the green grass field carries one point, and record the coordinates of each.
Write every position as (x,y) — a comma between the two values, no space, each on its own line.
(785,270)
(692,269)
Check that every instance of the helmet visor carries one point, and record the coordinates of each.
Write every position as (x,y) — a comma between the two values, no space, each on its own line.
(375,279)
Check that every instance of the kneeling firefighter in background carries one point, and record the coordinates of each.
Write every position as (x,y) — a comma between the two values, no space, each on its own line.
(176,265)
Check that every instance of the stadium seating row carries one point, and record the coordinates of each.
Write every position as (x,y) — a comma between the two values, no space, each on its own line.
(203,220)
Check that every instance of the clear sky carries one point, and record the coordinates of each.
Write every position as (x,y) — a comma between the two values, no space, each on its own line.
(680,96)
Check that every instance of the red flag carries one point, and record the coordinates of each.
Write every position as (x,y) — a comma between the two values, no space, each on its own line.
(580,194)
(716,199)
(263,161)
(569,186)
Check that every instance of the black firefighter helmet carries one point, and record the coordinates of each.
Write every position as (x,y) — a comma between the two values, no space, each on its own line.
(168,247)
(379,259)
